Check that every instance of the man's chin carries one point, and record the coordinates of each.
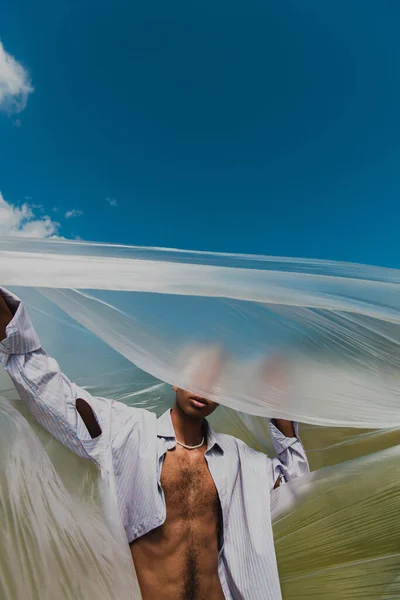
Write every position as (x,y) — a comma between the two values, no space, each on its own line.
(195,413)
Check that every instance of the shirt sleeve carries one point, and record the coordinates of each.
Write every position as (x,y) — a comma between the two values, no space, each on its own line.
(291,461)
(47,392)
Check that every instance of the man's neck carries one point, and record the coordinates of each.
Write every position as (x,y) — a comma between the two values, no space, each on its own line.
(187,430)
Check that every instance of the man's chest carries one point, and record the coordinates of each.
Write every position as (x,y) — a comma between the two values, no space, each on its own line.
(188,485)
(151,481)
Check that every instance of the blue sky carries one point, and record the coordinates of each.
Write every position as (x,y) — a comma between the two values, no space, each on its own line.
(261,127)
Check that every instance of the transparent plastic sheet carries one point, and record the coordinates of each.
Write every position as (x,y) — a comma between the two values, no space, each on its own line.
(105,372)
(326,446)
(337,533)
(56,543)
(316,342)
(312,341)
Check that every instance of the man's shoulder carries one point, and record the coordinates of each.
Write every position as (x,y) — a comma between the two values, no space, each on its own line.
(236,444)
(125,418)
(120,409)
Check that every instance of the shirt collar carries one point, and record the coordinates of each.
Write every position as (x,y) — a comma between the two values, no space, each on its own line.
(165,429)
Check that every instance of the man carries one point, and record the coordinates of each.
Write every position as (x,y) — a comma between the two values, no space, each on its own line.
(195,504)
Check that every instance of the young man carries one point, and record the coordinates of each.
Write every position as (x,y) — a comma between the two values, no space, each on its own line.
(195,504)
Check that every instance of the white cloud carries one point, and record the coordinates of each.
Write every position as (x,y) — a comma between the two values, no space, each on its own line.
(73,213)
(112,202)
(15,83)
(21,221)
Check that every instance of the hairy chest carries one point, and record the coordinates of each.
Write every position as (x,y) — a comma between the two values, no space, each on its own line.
(188,485)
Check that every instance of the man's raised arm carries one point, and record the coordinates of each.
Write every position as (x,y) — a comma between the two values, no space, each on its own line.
(292,459)
(68,412)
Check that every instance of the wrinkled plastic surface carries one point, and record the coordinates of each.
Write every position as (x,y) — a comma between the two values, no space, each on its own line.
(55,543)
(312,341)
(338,536)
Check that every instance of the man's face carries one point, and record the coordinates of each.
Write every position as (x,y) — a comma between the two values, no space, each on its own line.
(194,406)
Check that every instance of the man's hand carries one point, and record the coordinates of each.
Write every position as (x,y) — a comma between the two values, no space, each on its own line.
(5,317)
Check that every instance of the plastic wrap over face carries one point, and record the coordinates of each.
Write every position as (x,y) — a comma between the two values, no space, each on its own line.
(311,341)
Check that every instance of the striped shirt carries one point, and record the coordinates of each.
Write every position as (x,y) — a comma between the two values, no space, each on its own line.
(130,452)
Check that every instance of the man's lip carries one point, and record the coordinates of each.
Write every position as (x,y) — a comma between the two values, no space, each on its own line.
(199,401)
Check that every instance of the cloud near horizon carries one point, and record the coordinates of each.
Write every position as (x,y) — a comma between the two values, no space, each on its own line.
(21,221)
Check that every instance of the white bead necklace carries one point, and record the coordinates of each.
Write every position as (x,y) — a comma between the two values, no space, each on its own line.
(191,447)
